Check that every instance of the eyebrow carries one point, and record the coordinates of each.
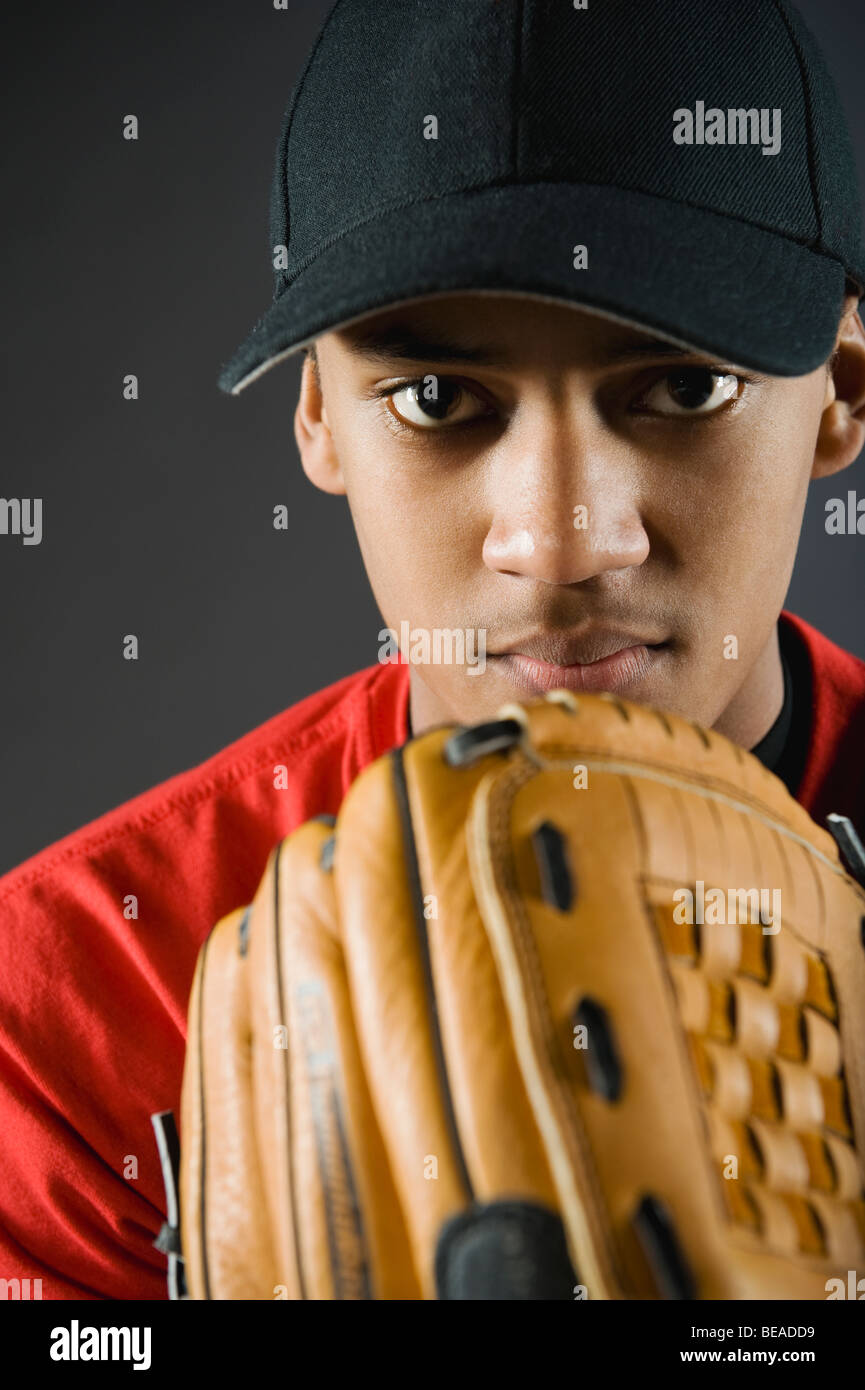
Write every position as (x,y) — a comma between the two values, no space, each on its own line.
(402,344)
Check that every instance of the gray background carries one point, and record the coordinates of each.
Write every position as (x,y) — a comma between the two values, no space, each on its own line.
(152,257)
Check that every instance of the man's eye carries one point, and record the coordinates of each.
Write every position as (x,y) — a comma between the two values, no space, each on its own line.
(691,391)
(434,402)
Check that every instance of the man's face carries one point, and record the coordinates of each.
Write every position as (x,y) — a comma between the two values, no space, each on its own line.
(613,513)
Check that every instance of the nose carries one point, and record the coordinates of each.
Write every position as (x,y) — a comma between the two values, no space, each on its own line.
(563,504)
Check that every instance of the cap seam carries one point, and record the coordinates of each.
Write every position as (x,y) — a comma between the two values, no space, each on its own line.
(519,36)
(809,119)
(283,144)
(387,209)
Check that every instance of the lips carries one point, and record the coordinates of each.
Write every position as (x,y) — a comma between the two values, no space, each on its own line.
(595,660)
(570,649)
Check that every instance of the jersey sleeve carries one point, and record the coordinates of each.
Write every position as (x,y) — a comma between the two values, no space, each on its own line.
(99,936)
(91,1044)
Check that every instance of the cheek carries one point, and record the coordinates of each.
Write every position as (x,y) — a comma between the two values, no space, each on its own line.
(736,531)
(744,504)
(411,517)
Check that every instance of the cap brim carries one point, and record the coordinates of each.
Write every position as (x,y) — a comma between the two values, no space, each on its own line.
(714,284)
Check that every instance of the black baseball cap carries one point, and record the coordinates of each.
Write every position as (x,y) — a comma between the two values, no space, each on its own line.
(696,149)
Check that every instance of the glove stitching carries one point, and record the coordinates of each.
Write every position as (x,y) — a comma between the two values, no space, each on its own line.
(708,789)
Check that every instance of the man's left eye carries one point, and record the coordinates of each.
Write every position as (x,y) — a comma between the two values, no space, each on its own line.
(691,391)
(435,402)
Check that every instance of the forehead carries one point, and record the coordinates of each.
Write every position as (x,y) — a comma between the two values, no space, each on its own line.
(498,330)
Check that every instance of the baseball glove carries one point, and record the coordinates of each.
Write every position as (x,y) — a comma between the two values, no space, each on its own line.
(566,1004)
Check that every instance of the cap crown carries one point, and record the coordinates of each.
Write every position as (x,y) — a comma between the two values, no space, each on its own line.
(536,91)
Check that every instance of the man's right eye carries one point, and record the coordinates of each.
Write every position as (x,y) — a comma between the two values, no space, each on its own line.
(434,402)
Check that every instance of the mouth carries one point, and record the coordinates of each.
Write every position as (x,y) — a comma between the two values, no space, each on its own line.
(595,662)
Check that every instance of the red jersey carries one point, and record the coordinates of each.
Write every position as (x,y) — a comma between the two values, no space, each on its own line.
(94,998)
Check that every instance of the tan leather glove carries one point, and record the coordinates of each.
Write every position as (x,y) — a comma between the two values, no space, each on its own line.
(466,1044)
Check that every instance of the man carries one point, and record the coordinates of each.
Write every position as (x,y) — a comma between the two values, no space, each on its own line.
(582,286)
(691,474)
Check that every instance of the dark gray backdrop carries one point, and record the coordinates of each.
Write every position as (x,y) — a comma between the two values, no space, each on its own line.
(152,257)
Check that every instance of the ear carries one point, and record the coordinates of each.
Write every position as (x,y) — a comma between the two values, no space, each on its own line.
(842,425)
(312,434)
